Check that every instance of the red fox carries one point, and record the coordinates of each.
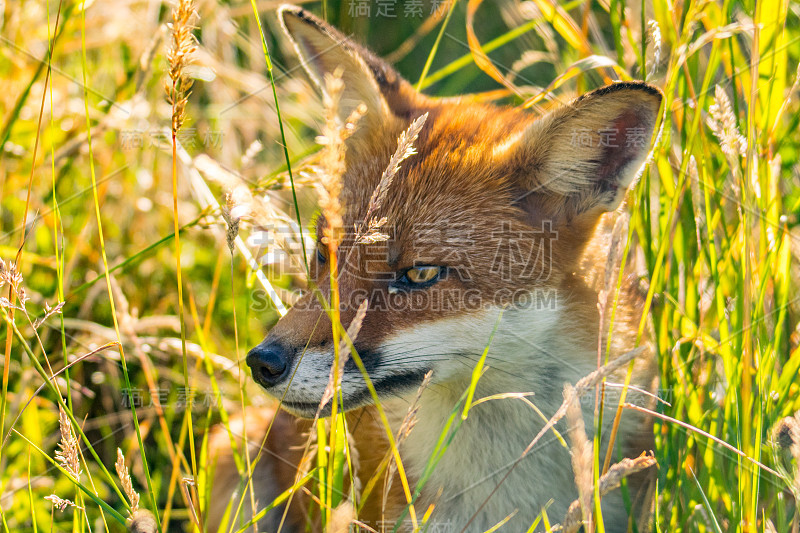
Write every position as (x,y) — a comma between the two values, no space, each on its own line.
(495,224)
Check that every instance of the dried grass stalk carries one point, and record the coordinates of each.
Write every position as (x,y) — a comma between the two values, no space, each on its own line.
(608,483)
(406,426)
(410,419)
(368,230)
(723,124)
(48,312)
(11,276)
(179,56)
(615,251)
(583,385)
(655,39)
(698,201)
(581,454)
(68,454)
(332,164)
(352,333)
(127,484)
(61,504)
(231,221)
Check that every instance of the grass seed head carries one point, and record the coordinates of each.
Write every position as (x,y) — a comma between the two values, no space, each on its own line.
(11,276)
(127,484)
(608,482)
(60,503)
(369,230)
(68,454)
(179,55)
(332,164)
(723,124)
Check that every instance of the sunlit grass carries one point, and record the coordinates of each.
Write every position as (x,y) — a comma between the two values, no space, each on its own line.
(714,224)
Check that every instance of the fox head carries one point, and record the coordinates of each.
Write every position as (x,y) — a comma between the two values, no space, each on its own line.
(486,225)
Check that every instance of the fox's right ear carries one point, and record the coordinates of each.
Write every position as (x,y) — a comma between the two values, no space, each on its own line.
(367,79)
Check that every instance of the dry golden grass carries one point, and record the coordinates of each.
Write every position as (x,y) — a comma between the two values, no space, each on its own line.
(716,221)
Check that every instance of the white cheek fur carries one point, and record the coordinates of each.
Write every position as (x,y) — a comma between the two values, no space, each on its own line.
(530,353)
(450,347)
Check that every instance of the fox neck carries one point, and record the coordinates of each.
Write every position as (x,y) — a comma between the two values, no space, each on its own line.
(485,446)
(538,359)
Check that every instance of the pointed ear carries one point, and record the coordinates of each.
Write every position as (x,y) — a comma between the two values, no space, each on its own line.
(581,159)
(323,49)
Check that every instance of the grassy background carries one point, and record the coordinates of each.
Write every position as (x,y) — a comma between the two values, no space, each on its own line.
(716,219)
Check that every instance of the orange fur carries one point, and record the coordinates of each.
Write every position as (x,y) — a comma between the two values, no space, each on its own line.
(479,197)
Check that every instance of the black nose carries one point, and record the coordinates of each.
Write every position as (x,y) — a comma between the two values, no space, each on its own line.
(269,363)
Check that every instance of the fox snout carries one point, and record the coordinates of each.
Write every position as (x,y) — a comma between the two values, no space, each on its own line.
(269,362)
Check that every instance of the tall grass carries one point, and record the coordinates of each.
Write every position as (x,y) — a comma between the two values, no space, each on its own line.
(95,214)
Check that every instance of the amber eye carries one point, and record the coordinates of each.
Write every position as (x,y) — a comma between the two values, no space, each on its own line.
(422,274)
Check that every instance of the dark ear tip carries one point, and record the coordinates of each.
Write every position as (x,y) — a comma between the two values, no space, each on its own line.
(624,86)
(291,11)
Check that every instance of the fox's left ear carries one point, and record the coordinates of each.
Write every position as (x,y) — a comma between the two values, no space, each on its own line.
(580,159)
(367,78)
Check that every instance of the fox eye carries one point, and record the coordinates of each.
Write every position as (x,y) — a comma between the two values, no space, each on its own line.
(321,257)
(422,275)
